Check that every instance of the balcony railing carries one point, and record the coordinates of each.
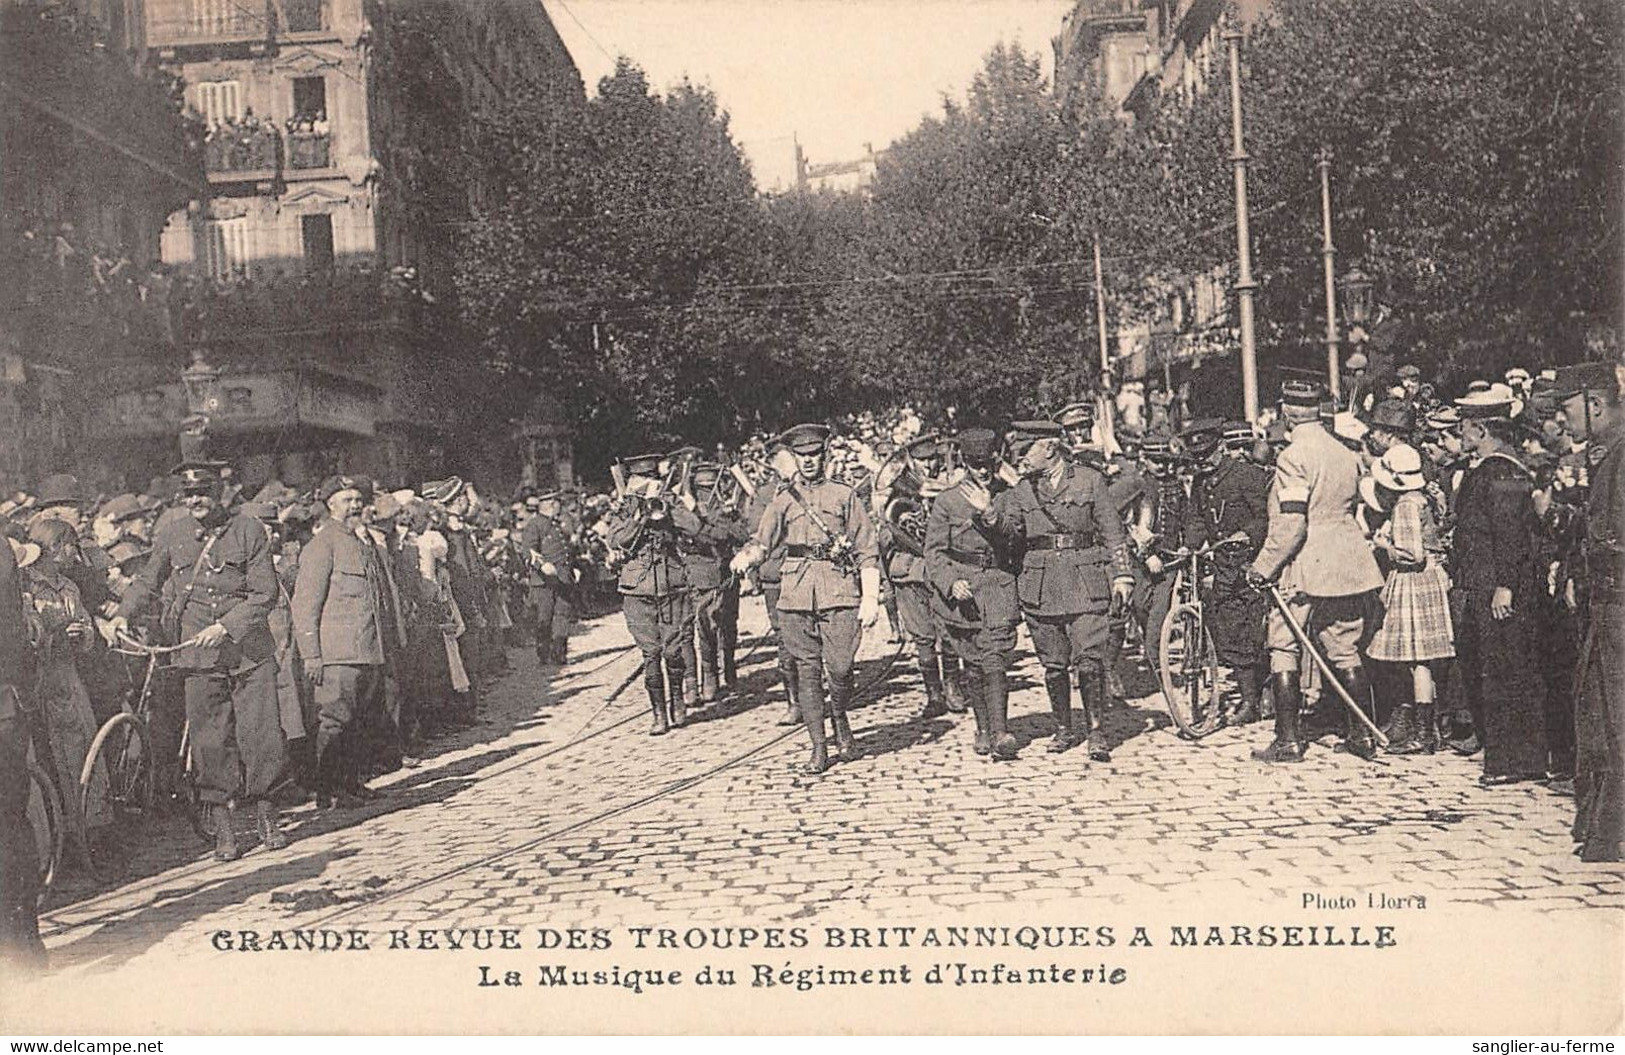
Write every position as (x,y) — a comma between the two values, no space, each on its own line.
(233,150)
(309,150)
(191,22)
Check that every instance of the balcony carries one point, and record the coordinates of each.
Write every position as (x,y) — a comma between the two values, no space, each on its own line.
(309,151)
(262,400)
(175,24)
(234,153)
(347,299)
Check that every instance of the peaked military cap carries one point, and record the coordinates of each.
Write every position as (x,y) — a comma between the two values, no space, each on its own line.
(807,438)
(1297,393)
(1201,437)
(1076,415)
(1157,447)
(443,491)
(1570,381)
(1238,434)
(197,476)
(1036,428)
(977,445)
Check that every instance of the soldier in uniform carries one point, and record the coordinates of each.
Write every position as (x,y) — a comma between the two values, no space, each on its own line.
(902,550)
(768,573)
(1154,530)
(1590,394)
(1229,510)
(343,621)
(550,578)
(1074,571)
(643,532)
(223,585)
(830,588)
(1318,556)
(705,560)
(973,591)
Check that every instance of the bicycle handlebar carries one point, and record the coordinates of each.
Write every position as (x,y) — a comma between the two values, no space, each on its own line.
(141,648)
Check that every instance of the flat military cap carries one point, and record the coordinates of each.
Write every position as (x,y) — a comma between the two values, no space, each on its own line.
(1201,437)
(1238,434)
(443,491)
(1157,447)
(1395,415)
(1297,393)
(339,482)
(123,507)
(1076,415)
(806,439)
(978,446)
(60,489)
(642,464)
(1409,370)
(1570,381)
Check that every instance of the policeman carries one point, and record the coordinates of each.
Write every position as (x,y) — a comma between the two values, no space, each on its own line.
(1591,410)
(223,587)
(1237,441)
(902,549)
(643,532)
(973,590)
(1074,570)
(830,588)
(550,578)
(782,465)
(1229,510)
(1317,555)
(705,560)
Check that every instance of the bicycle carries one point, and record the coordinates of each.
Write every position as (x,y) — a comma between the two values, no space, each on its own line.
(44,807)
(123,745)
(1188,662)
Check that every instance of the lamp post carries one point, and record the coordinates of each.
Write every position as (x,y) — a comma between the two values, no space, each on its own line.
(1328,253)
(1357,287)
(1244,253)
(202,384)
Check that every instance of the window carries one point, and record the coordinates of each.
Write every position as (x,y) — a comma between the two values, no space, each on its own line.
(309,98)
(317,235)
(226,246)
(218,101)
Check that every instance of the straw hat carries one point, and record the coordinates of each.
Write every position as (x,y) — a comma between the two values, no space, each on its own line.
(1400,469)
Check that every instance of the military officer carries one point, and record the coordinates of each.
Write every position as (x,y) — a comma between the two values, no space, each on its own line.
(1591,409)
(705,560)
(222,585)
(1238,439)
(1315,552)
(830,587)
(1074,570)
(1229,510)
(550,578)
(973,590)
(643,533)
(902,550)
(783,469)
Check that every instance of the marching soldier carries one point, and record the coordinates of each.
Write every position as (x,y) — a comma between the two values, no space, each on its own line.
(1229,509)
(1074,571)
(973,591)
(221,587)
(830,588)
(705,560)
(902,514)
(768,573)
(550,579)
(643,530)
(1316,554)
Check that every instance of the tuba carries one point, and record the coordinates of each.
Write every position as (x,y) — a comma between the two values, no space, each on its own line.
(898,485)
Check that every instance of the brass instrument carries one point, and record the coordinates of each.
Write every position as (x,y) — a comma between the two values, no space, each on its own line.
(900,495)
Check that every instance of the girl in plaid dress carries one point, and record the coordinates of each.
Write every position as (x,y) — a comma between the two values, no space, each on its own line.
(1416,629)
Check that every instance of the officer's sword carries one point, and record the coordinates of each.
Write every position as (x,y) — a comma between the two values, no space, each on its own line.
(1320,662)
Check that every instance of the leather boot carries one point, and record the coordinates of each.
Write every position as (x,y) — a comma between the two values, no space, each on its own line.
(1427,728)
(840,691)
(708,681)
(1091,694)
(792,695)
(1288,743)
(265,819)
(935,704)
(1403,734)
(810,700)
(996,697)
(956,694)
(225,833)
(1058,683)
(1357,740)
(1247,688)
(730,662)
(654,680)
(983,744)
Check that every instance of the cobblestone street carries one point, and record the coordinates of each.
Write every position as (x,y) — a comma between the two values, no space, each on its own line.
(561,806)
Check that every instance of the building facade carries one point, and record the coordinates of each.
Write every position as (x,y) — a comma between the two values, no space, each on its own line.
(1104,49)
(318,266)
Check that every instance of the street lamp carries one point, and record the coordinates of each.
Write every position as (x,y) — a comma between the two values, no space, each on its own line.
(202,384)
(1357,287)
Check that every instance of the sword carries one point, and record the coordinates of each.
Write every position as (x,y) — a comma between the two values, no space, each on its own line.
(1320,662)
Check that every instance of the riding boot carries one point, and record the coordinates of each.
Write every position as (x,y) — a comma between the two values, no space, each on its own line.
(1357,740)
(1288,743)
(1091,695)
(1247,688)
(840,692)
(935,705)
(983,744)
(708,680)
(265,819)
(810,702)
(955,693)
(225,833)
(1403,733)
(730,660)
(654,680)
(1058,683)
(996,696)
(792,695)
(680,688)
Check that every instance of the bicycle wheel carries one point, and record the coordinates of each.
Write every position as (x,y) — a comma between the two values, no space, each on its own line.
(1189,671)
(45,817)
(124,749)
